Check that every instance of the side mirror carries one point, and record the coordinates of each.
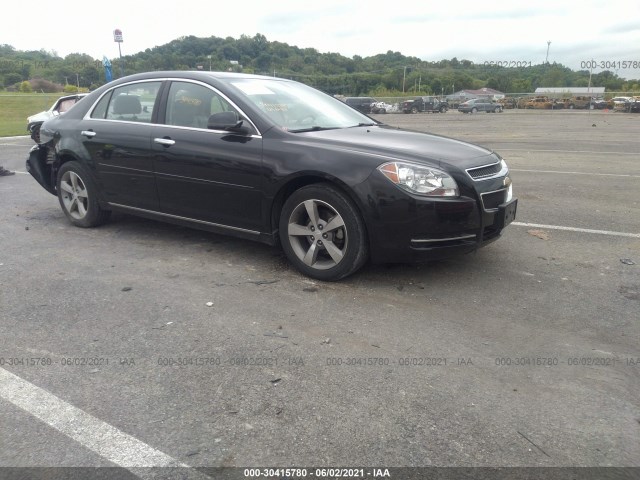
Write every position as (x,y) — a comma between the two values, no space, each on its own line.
(226,121)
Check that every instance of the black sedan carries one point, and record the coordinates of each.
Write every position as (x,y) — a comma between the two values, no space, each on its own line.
(275,161)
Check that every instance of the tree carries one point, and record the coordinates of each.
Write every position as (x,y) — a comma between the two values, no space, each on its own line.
(12,79)
(25,87)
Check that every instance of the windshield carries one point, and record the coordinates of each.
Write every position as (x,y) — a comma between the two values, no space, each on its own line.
(296,107)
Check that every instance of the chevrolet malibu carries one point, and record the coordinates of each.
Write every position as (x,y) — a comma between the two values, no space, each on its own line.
(275,161)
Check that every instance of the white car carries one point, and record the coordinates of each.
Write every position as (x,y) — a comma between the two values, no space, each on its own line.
(60,106)
(621,104)
(382,107)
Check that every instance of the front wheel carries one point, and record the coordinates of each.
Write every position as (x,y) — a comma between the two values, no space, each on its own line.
(78,196)
(414,110)
(322,233)
(474,110)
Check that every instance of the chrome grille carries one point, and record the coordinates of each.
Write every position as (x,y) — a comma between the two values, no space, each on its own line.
(484,171)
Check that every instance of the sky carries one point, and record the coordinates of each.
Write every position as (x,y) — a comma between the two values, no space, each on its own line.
(580,31)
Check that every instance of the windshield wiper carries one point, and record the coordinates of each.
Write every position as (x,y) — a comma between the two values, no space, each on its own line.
(315,128)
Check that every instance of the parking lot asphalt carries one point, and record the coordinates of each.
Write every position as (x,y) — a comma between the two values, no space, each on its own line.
(525,353)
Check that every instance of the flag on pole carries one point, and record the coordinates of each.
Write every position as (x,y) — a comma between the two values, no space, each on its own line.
(107,69)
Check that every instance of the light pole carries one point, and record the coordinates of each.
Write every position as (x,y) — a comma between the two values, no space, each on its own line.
(548,45)
(209,57)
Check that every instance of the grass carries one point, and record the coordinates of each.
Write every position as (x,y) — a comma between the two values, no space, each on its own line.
(16,107)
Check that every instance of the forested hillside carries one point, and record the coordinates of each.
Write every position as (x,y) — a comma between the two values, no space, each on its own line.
(384,74)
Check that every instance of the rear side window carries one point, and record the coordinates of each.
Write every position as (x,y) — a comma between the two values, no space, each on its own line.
(131,103)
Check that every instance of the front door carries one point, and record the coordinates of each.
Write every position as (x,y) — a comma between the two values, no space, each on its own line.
(202,174)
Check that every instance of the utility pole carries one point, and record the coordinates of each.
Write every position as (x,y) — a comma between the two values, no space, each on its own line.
(404,77)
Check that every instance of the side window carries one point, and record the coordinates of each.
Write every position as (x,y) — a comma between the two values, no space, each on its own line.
(100,111)
(133,103)
(191,105)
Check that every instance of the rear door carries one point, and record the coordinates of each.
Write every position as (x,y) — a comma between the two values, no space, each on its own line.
(117,135)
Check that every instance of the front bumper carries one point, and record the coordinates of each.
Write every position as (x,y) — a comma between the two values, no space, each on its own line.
(408,228)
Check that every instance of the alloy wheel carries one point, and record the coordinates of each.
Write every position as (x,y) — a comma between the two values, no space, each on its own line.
(74,195)
(317,234)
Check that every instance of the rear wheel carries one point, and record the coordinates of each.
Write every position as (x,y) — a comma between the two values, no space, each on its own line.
(78,196)
(322,233)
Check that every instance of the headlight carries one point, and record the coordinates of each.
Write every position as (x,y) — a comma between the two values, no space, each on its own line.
(419,179)
(507,180)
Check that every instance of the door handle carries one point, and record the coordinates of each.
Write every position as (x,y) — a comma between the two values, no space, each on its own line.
(165,142)
(88,133)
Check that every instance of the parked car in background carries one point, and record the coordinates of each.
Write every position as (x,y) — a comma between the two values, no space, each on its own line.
(542,103)
(382,107)
(480,105)
(276,161)
(508,102)
(425,104)
(602,104)
(621,104)
(60,106)
(577,102)
(362,104)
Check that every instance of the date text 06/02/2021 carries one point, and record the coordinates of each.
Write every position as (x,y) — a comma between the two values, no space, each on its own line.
(327,473)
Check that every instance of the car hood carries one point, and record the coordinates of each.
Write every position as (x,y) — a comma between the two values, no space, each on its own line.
(399,144)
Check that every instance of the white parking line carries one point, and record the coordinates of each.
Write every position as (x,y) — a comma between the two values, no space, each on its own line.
(575,173)
(581,230)
(100,437)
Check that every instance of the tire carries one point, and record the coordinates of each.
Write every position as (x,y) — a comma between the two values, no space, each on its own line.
(305,244)
(498,110)
(78,196)
(571,107)
(474,110)
(35,133)
(414,110)
(382,110)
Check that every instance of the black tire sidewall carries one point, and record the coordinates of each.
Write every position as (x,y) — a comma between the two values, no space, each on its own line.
(357,251)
